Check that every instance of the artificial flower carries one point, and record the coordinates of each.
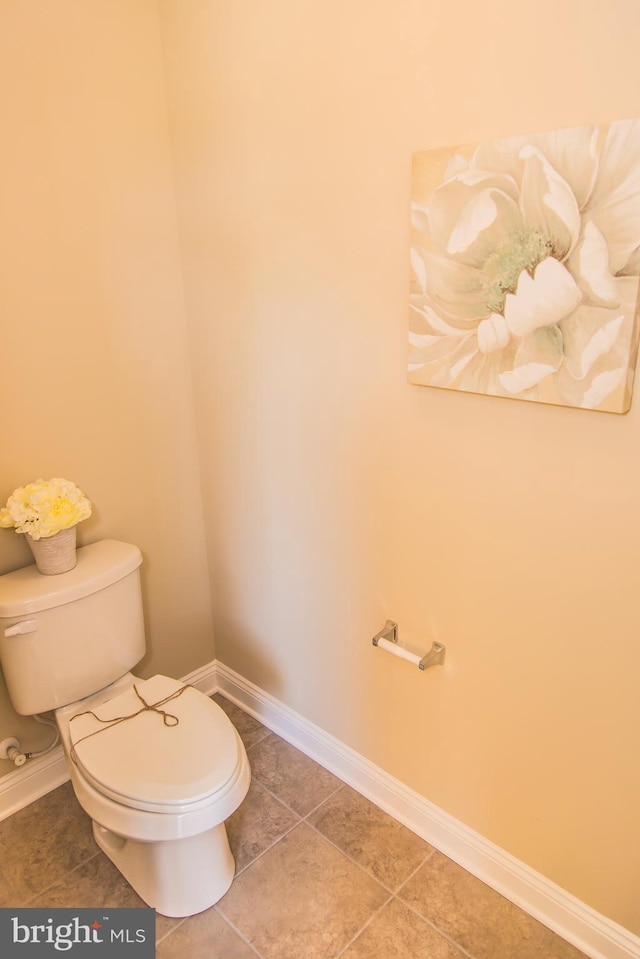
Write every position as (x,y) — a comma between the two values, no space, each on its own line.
(45,507)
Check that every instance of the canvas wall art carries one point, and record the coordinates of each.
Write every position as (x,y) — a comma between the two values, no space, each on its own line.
(525,267)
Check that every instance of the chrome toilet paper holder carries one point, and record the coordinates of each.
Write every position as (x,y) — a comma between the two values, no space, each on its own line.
(389,631)
(389,634)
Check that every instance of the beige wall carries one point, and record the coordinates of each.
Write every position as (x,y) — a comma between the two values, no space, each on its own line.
(336,495)
(94,375)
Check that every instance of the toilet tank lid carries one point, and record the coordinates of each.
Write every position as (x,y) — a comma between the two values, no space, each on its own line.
(99,565)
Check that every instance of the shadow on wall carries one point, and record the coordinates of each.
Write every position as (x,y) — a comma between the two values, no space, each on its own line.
(248,657)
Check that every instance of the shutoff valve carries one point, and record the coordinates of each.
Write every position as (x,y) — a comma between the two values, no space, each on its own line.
(10,749)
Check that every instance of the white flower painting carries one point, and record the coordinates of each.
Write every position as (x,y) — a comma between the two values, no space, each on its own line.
(525,267)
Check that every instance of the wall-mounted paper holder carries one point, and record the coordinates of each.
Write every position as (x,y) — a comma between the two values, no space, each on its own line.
(387,639)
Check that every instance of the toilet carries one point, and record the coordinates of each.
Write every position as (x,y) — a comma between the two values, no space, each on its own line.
(155,763)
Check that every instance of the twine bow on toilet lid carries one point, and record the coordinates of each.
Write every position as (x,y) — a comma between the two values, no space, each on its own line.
(169,719)
(158,749)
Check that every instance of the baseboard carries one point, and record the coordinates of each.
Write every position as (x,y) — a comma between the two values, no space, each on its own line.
(31,781)
(594,934)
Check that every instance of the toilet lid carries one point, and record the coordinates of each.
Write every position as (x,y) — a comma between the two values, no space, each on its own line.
(180,750)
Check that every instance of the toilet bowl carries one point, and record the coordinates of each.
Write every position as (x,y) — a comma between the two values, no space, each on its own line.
(158,782)
(156,764)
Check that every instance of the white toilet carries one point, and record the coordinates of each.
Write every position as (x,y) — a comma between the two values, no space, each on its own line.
(155,763)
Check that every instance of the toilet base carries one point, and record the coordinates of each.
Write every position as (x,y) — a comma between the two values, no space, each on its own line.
(177,877)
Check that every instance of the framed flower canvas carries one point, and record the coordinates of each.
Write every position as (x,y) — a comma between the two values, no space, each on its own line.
(525,267)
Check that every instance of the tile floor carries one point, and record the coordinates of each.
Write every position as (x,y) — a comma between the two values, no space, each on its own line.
(321,874)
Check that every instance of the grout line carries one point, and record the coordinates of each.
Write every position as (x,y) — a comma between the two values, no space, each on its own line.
(267,731)
(62,878)
(326,799)
(302,816)
(426,859)
(365,926)
(369,872)
(170,932)
(277,798)
(435,928)
(346,855)
(300,819)
(266,849)
(236,930)
(281,836)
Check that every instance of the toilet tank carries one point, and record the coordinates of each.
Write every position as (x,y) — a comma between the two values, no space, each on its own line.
(66,636)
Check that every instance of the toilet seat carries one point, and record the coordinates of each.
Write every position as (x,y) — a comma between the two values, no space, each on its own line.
(164,748)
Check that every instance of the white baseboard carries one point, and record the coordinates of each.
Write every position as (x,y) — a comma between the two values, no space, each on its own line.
(592,933)
(31,781)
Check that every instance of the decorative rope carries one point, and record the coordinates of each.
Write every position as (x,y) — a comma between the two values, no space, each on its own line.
(167,718)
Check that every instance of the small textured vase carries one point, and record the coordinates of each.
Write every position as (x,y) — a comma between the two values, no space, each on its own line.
(55,554)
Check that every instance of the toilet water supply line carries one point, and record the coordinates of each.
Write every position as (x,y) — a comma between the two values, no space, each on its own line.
(56,739)
(10,748)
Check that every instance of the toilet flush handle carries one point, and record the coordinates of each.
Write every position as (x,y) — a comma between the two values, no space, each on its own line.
(24,626)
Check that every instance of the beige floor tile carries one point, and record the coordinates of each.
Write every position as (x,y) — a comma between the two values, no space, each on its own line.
(477,918)
(251,731)
(302,900)
(97,883)
(398,933)
(259,821)
(205,936)
(376,841)
(296,780)
(57,834)
(6,892)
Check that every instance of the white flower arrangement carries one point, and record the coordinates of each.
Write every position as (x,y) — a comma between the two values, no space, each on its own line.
(45,507)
